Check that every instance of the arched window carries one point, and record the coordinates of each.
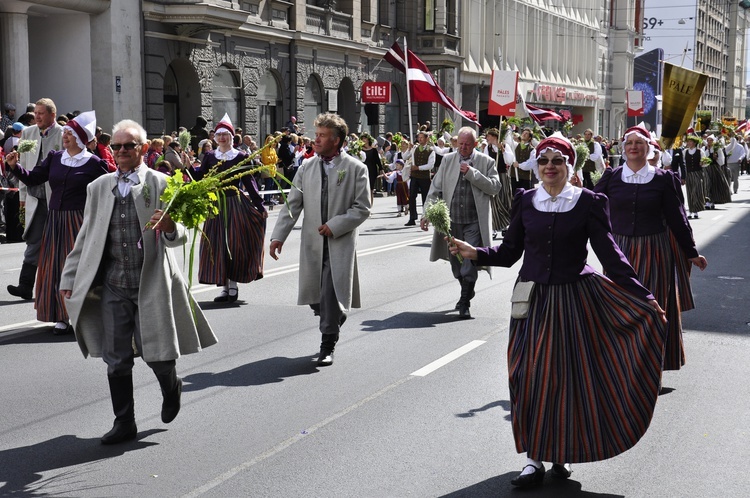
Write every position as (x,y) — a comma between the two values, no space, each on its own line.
(269,106)
(313,102)
(226,95)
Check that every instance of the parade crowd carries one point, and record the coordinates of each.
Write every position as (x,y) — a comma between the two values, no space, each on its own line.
(584,380)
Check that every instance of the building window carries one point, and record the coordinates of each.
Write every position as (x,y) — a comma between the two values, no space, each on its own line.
(226,94)
(450,7)
(278,15)
(252,8)
(429,15)
(383,11)
(366,14)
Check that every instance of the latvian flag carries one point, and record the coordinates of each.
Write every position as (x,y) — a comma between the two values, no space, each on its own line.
(422,85)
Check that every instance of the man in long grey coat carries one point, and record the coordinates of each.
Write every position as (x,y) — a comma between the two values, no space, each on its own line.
(334,188)
(466,180)
(123,287)
(48,136)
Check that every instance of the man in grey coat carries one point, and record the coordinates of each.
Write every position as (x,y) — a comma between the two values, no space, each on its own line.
(122,286)
(339,185)
(466,180)
(48,136)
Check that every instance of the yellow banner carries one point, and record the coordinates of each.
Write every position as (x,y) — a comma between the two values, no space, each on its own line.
(681,92)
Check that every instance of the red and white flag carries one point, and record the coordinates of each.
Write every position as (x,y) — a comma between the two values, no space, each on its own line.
(422,85)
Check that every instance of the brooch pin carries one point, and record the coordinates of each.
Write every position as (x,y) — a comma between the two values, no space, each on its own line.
(146,192)
(342,173)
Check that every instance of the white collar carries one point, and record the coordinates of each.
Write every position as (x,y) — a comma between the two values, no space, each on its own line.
(567,193)
(84,154)
(226,156)
(643,172)
(691,151)
(132,176)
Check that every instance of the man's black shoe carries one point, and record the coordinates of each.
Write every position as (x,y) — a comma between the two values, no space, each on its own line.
(463,311)
(410,223)
(325,358)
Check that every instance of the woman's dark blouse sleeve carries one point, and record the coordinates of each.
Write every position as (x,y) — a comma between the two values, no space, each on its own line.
(37,175)
(614,262)
(674,213)
(602,185)
(511,249)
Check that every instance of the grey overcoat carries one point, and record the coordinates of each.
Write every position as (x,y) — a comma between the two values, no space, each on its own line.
(485,183)
(167,326)
(29,159)
(348,207)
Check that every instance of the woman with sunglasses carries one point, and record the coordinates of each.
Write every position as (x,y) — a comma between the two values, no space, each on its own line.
(584,360)
(650,225)
(68,172)
(232,250)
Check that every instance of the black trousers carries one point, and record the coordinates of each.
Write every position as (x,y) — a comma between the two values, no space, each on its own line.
(417,186)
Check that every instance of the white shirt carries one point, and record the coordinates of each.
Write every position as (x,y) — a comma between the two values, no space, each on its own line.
(125,186)
(75,161)
(561,203)
(641,177)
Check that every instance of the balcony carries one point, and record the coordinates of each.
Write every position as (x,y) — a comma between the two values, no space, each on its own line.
(439,49)
(327,22)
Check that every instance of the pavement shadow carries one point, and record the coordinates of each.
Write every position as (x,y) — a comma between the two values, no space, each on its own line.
(504,404)
(21,468)
(211,305)
(552,488)
(257,373)
(17,301)
(410,320)
(37,336)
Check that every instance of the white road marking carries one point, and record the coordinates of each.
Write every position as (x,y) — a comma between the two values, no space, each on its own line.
(441,362)
(717,217)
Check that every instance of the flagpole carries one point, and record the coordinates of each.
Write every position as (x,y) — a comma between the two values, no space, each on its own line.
(408,91)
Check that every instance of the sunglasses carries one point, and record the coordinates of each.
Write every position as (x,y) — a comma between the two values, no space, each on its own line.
(558,161)
(130,146)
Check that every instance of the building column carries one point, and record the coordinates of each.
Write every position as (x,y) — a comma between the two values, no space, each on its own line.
(14,59)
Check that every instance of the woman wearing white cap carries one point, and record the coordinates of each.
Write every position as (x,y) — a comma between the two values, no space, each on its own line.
(69,172)
(645,205)
(234,250)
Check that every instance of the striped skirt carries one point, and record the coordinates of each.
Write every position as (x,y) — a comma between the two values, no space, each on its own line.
(58,239)
(402,194)
(682,267)
(233,251)
(584,371)
(653,260)
(717,185)
(696,191)
(501,204)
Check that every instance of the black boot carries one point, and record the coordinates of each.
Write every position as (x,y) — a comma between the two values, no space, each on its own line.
(25,287)
(121,391)
(327,346)
(471,296)
(467,293)
(171,389)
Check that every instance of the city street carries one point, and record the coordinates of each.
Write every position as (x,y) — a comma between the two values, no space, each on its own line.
(416,403)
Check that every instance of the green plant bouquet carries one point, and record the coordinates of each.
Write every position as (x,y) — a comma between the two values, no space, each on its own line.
(437,213)
(397,139)
(567,126)
(25,146)
(191,203)
(705,162)
(184,140)
(582,155)
(447,125)
(595,177)
(354,148)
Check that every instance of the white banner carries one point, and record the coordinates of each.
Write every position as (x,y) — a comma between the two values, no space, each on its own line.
(503,93)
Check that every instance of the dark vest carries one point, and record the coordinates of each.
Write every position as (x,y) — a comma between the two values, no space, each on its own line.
(589,166)
(124,258)
(420,158)
(523,155)
(693,161)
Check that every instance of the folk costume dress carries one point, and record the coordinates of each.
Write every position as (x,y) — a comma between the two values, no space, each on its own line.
(583,378)
(695,182)
(502,201)
(646,211)
(68,178)
(717,183)
(234,249)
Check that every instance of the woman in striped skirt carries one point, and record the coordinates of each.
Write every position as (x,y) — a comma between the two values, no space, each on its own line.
(645,207)
(68,172)
(585,361)
(717,184)
(232,249)
(695,182)
(504,156)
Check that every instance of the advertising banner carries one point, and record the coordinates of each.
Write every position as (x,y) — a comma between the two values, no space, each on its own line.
(376,92)
(682,90)
(635,102)
(503,93)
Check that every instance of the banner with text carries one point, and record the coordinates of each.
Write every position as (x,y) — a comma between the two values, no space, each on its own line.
(682,89)
(503,93)
(376,92)
(635,102)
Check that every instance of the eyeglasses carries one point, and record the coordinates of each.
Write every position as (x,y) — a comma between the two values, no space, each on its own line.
(558,161)
(130,146)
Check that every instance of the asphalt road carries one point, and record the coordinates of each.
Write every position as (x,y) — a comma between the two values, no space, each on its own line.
(388,419)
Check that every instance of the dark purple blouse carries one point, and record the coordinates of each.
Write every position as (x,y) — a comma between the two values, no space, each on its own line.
(553,245)
(68,184)
(649,208)
(210,160)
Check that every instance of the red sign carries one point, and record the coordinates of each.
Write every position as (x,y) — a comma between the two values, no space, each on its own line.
(635,102)
(376,92)
(503,89)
